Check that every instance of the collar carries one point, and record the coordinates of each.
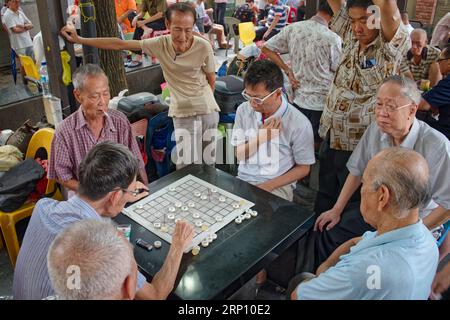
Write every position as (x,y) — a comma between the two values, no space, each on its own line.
(409,232)
(411,138)
(280,113)
(81,121)
(319,20)
(87,209)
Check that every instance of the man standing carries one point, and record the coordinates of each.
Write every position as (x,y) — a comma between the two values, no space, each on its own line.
(373,50)
(18,26)
(189,68)
(314,54)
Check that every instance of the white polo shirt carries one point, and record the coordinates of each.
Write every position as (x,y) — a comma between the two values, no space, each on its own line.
(294,145)
(18,40)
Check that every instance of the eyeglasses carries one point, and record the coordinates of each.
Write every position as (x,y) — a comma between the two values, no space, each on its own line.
(390,106)
(135,193)
(257,100)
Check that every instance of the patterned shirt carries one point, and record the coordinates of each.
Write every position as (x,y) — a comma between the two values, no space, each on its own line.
(421,70)
(277,10)
(49,218)
(314,54)
(350,104)
(73,139)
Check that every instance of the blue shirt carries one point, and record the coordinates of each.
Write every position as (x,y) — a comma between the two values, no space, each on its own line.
(396,265)
(439,97)
(49,218)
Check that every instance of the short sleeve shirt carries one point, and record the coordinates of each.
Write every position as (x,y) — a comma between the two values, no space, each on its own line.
(12,19)
(350,104)
(190,93)
(421,70)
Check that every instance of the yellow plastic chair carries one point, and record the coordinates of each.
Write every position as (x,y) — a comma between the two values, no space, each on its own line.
(8,220)
(247,33)
(30,68)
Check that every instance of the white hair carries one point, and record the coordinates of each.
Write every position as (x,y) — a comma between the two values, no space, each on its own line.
(103,258)
(408,87)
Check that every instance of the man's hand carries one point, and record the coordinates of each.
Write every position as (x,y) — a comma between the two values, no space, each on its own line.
(330,217)
(266,186)
(441,281)
(134,22)
(140,23)
(294,82)
(70,33)
(182,235)
(271,128)
(28,26)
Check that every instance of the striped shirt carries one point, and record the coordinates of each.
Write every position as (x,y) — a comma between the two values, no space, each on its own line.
(73,139)
(49,218)
(421,70)
(277,10)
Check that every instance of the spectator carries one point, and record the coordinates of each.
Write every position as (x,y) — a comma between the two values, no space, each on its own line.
(219,12)
(312,64)
(18,26)
(420,62)
(276,20)
(155,21)
(125,13)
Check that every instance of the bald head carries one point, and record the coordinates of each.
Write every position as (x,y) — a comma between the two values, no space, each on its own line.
(404,173)
(419,35)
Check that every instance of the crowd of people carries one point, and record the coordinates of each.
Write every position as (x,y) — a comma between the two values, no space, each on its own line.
(334,89)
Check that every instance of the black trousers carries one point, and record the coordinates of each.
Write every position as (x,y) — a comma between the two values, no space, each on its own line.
(260,33)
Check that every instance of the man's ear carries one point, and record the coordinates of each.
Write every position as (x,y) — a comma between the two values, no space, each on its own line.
(167,23)
(129,288)
(383,197)
(77,95)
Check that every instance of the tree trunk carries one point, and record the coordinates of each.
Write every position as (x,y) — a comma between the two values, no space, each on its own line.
(110,60)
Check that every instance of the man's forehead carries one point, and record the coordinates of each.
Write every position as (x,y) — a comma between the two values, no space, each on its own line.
(359,13)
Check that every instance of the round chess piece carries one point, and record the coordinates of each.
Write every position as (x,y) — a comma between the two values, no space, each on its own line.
(157,244)
(195,250)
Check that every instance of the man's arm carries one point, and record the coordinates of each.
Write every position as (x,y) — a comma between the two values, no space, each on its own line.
(298,172)
(434,74)
(275,57)
(124,16)
(272,26)
(436,217)
(334,258)
(409,75)
(332,216)
(390,17)
(70,184)
(18,29)
(336,5)
(70,34)
(164,280)
(211,78)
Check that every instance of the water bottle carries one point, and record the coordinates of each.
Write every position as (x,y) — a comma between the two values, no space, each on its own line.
(44,80)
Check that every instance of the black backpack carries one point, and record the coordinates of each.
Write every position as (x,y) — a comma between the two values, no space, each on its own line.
(17,184)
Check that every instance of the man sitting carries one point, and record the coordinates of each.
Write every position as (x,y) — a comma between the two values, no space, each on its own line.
(269,124)
(276,20)
(420,62)
(395,125)
(437,100)
(107,181)
(106,265)
(91,124)
(399,259)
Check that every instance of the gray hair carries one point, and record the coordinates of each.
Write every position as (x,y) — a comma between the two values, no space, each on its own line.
(85,71)
(103,258)
(106,167)
(408,87)
(420,31)
(405,173)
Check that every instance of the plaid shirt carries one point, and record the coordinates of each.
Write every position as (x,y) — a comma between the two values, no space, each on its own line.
(350,104)
(73,139)
(421,70)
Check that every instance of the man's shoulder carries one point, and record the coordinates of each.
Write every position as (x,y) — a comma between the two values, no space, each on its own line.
(433,52)
(244,109)
(117,115)
(434,140)
(201,43)
(68,125)
(296,116)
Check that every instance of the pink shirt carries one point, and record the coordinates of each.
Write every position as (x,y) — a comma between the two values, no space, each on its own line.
(73,139)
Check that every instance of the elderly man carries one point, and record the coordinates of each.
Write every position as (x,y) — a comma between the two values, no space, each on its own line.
(438,98)
(107,182)
(312,63)
(420,62)
(396,125)
(91,124)
(374,46)
(189,68)
(102,247)
(399,259)
(269,122)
